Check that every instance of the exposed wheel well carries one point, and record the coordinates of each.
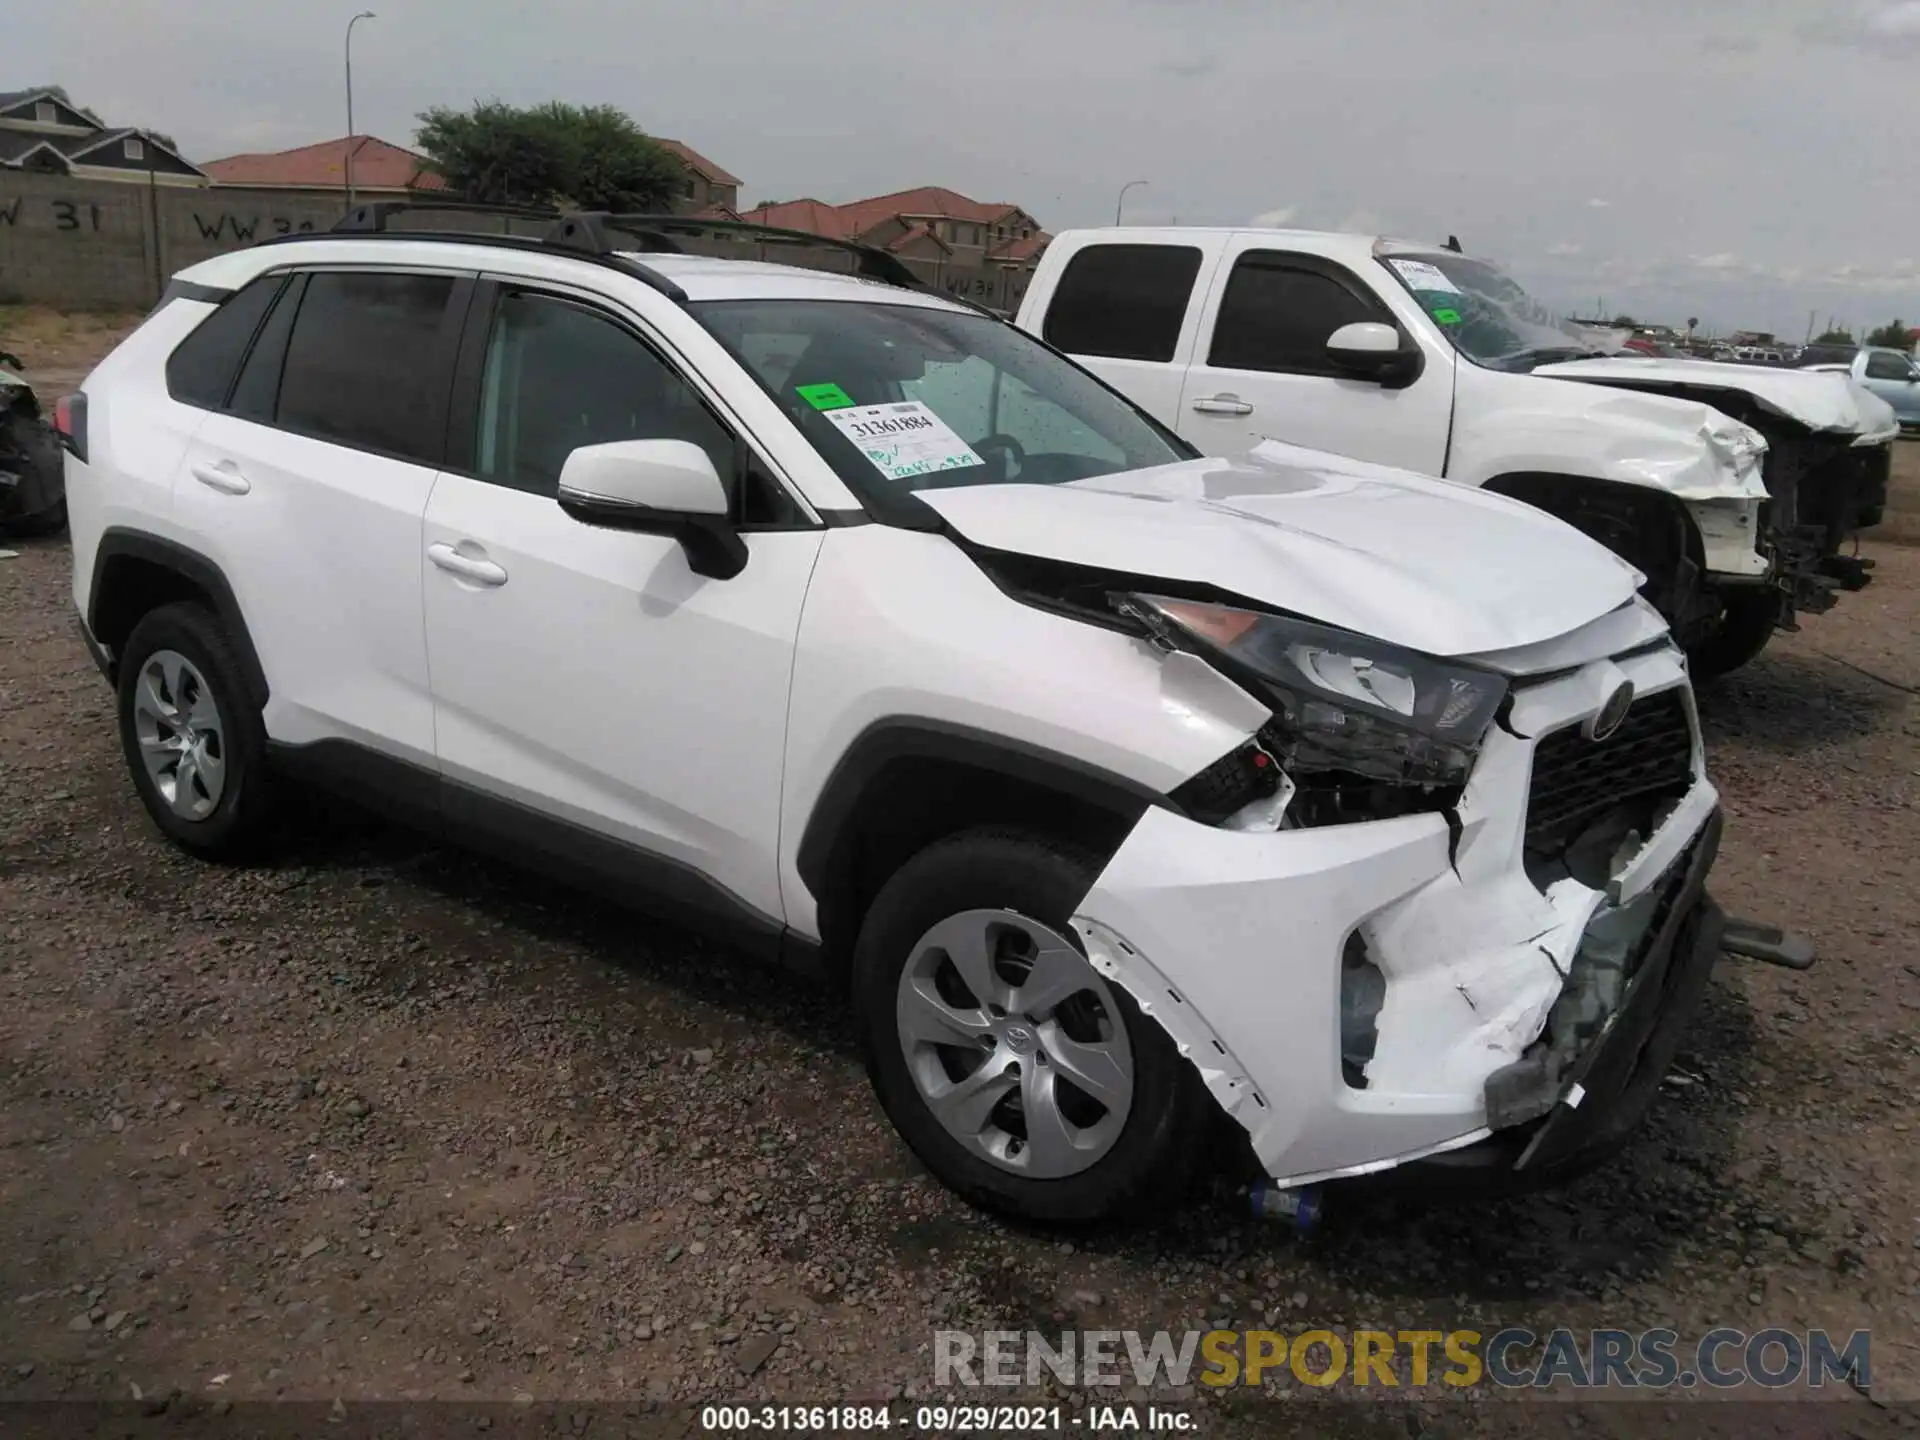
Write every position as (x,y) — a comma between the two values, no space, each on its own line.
(1650,530)
(898,793)
(135,574)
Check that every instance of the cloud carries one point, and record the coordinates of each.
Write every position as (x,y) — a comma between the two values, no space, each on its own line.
(1876,29)
(1277,219)
(1598,204)
(1565,248)
(1723,260)
(1730,44)
(1192,69)
(1360,222)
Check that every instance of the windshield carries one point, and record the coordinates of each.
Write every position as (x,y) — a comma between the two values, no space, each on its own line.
(1487,316)
(902,398)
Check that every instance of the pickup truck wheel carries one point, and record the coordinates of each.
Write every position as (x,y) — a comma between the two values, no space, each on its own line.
(1745,625)
(194,743)
(1025,1080)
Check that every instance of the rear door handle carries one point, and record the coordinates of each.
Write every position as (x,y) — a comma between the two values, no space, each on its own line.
(481,572)
(1223,405)
(223,477)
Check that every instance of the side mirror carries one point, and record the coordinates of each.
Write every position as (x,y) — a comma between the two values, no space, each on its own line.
(661,487)
(1370,350)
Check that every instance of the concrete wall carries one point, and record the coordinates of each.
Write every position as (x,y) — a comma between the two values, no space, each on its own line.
(100,245)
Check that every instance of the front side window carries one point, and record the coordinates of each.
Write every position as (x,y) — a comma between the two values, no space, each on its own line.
(901,398)
(1884,365)
(1278,314)
(559,375)
(1485,314)
(1123,302)
(363,362)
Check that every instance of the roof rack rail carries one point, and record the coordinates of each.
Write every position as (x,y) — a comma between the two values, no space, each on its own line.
(371,219)
(591,235)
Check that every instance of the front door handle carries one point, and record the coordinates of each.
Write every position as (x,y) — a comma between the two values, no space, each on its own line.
(481,572)
(1222,405)
(223,477)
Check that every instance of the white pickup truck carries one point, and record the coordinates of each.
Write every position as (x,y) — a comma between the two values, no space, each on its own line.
(1733,489)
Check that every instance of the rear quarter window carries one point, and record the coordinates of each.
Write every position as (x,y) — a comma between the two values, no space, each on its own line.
(1123,302)
(201,369)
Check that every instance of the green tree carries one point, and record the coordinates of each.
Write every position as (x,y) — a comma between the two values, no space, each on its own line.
(1834,337)
(1894,335)
(1626,322)
(592,157)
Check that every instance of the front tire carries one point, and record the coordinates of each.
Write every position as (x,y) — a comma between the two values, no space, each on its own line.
(193,740)
(1022,1078)
(1746,624)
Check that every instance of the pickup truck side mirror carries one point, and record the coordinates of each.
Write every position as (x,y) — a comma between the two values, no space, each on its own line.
(1370,350)
(662,487)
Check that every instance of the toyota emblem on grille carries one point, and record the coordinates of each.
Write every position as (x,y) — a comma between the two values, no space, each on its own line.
(1607,718)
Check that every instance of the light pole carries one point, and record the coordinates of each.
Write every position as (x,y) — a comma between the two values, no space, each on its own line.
(1122,200)
(363,15)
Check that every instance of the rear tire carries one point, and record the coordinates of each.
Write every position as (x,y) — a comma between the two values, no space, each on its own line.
(1745,626)
(193,739)
(1014,1132)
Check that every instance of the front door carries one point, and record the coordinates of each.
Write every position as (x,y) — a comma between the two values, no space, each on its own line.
(587,677)
(1260,368)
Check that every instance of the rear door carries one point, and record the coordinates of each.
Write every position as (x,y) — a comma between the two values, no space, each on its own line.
(1891,375)
(1261,368)
(1128,312)
(309,486)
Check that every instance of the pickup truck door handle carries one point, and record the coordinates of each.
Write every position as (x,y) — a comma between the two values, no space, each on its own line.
(222,477)
(467,567)
(1222,405)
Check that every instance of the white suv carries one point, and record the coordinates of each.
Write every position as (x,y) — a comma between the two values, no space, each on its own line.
(1117,785)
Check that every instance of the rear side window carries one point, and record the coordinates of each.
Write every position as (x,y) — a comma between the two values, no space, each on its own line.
(1277,314)
(1125,302)
(364,363)
(201,368)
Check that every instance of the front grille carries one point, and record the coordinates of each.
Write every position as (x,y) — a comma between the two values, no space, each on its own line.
(1575,780)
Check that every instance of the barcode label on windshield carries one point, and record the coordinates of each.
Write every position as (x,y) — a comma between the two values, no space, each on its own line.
(903,439)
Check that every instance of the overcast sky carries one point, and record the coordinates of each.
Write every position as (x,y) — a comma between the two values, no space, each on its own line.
(1745,161)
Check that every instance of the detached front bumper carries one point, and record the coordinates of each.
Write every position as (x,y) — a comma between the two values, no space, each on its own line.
(1236,945)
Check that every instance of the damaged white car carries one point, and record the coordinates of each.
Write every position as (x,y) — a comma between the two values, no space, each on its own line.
(1736,491)
(1118,784)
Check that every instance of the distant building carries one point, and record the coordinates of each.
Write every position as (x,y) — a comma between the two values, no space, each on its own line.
(42,131)
(927,223)
(381,170)
(708,191)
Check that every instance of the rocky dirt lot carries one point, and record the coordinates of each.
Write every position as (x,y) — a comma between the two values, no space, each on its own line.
(375,1120)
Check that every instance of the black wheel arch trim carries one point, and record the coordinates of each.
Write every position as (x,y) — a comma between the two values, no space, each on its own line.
(118,542)
(888,740)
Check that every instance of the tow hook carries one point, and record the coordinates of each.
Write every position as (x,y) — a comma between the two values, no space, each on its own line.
(1750,940)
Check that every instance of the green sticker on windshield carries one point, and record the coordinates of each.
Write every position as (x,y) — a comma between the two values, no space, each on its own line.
(827,396)
(1446,317)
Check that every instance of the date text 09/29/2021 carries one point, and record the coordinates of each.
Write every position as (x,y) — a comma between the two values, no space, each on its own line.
(942,1419)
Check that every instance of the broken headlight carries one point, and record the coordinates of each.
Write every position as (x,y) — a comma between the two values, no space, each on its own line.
(1344,702)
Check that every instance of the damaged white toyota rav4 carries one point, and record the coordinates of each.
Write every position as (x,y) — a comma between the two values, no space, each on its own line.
(1114,783)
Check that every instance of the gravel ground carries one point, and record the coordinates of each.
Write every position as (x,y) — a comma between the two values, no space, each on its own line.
(375,1120)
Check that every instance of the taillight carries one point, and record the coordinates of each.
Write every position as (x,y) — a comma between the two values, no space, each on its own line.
(70,422)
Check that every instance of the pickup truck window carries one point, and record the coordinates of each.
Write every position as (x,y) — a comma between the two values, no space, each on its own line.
(1885,365)
(899,398)
(1278,311)
(1123,302)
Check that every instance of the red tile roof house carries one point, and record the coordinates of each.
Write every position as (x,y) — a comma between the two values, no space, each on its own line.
(927,223)
(380,170)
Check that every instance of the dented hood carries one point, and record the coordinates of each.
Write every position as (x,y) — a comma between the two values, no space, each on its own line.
(1423,563)
(1816,400)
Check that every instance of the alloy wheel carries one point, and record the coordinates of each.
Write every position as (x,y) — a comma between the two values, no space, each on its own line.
(183,741)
